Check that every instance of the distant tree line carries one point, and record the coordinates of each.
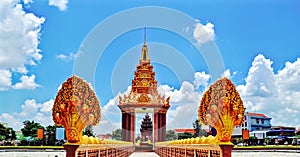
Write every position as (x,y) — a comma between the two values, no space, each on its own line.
(29,134)
(170,134)
(199,132)
(7,133)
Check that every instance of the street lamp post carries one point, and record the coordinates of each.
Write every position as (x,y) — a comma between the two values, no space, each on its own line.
(46,140)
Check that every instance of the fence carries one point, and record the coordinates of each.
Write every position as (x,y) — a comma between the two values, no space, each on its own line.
(98,150)
(193,148)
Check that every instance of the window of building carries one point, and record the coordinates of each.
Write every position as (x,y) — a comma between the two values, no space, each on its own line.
(257,121)
(245,124)
(245,117)
(262,121)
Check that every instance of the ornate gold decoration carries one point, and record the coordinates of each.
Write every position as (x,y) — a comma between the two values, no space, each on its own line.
(144,98)
(75,107)
(143,75)
(145,83)
(222,107)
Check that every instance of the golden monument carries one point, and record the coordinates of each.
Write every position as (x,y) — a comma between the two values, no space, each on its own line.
(222,107)
(144,94)
(75,107)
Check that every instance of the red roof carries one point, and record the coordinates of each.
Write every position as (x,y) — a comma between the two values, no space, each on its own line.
(185,131)
(257,114)
(104,136)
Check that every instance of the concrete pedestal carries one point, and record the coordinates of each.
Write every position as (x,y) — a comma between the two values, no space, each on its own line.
(71,149)
(226,149)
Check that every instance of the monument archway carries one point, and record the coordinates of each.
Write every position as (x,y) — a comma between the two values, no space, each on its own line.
(144,95)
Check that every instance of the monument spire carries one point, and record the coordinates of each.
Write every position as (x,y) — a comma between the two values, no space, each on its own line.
(144,94)
(144,35)
(144,49)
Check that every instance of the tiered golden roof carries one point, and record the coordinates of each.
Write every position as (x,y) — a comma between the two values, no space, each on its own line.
(144,86)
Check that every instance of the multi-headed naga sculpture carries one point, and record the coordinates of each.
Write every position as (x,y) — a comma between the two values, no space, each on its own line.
(75,107)
(222,107)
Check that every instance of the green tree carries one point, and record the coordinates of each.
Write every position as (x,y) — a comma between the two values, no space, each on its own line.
(10,134)
(50,133)
(2,132)
(7,133)
(30,128)
(138,137)
(88,131)
(171,135)
(117,134)
(198,129)
(184,135)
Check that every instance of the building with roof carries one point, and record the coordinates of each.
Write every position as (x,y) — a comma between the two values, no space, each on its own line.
(104,136)
(281,132)
(253,122)
(258,121)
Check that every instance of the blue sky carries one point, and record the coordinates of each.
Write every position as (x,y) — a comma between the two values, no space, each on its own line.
(40,41)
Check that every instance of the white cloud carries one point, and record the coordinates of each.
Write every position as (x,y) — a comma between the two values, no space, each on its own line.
(288,78)
(111,115)
(5,79)
(29,107)
(184,113)
(227,73)
(70,57)
(261,79)
(274,94)
(46,107)
(60,4)
(62,56)
(21,69)
(203,33)
(44,114)
(11,120)
(19,36)
(106,127)
(111,108)
(27,82)
(201,79)
(30,110)
(27,1)
(165,90)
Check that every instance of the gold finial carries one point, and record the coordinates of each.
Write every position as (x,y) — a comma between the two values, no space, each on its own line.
(144,35)
(145,49)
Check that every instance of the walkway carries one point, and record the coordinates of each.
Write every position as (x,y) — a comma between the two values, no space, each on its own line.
(234,154)
(143,154)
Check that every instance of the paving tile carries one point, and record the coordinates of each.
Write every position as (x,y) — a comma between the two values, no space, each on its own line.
(143,154)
